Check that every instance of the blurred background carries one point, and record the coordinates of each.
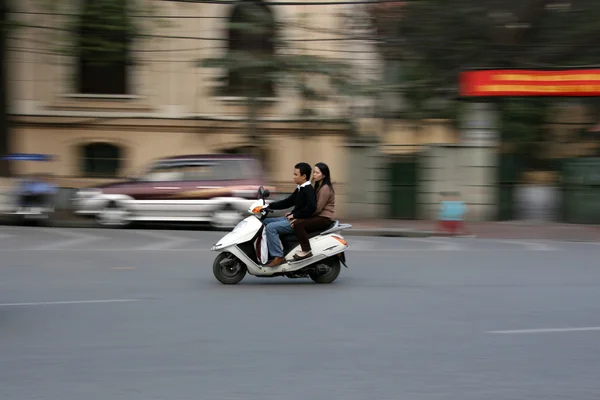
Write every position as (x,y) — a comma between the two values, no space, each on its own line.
(220,97)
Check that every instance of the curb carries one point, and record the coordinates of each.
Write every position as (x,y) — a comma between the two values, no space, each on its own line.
(372,232)
(72,224)
(382,232)
(53,223)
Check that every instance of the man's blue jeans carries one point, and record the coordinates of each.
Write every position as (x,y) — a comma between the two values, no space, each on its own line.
(276,227)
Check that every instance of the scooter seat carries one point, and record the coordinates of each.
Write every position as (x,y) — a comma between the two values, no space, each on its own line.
(291,237)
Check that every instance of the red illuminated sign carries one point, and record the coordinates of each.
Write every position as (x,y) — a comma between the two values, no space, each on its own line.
(492,83)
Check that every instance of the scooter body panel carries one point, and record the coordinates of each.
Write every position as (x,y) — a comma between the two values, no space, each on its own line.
(323,247)
(243,232)
(326,246)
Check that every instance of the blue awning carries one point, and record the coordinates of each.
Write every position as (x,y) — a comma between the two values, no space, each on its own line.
(28,157)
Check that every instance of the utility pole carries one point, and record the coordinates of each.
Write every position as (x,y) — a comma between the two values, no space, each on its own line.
(4,128)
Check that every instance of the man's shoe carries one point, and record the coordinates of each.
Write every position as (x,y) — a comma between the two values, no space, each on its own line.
(277,261)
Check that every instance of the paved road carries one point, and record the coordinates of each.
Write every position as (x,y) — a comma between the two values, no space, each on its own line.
(124,314)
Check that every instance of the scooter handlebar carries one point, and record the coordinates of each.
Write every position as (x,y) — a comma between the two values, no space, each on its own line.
(264,212)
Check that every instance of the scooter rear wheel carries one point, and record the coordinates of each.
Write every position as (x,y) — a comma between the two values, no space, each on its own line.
(332,270)
(228,269)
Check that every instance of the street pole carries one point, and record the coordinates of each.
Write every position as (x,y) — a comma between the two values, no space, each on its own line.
(4,128)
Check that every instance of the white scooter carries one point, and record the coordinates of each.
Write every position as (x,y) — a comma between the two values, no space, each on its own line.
(244,250)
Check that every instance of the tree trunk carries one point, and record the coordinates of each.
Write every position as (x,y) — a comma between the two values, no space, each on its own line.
(252,128)
(4,128)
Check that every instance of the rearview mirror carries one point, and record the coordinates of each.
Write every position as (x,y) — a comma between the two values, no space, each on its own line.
(266,194)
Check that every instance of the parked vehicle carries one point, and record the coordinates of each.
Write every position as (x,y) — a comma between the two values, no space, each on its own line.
(244,250)
(193,188)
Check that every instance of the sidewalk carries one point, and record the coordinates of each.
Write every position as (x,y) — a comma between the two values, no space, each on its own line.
(491,230)
(416,228)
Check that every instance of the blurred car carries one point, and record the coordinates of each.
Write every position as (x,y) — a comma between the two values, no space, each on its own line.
(217,189)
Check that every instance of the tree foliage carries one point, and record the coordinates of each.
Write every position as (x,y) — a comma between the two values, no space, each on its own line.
(435,42)
(313,78)
(102,30)
(260,56)
(431,42)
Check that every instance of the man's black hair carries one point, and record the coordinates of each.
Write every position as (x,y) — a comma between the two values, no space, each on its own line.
(305,169)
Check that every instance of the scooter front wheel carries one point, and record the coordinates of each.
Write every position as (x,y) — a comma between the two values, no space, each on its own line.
(228,269)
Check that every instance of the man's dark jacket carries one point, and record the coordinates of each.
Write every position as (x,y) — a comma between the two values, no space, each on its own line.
(303,199)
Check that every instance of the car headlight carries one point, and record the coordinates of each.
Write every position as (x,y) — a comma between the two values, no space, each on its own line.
(245,193)
(88,193)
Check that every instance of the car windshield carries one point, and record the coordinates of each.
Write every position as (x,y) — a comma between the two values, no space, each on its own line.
(200,170)
(164,173)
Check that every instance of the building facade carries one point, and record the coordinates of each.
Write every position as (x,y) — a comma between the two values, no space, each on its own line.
(108,122)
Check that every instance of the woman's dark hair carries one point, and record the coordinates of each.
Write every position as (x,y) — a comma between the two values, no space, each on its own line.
(327,177)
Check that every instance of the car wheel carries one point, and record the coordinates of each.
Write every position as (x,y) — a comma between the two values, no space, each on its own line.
(225,218)
(113,215)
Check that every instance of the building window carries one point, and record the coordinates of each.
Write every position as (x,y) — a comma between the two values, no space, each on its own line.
(101,160)
(251,38)
(103,48)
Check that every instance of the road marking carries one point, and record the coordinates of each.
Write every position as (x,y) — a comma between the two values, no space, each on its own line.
(76,239)
(361,245)
(204,249)
(548,330)
(531,245)
(107,250)
(443,245)
(51,303)
(171,243)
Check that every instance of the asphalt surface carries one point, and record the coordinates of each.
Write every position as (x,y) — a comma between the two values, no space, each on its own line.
(137,315)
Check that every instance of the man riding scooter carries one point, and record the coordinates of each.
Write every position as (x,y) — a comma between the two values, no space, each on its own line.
(304,201)
(35,192)
(34,195)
